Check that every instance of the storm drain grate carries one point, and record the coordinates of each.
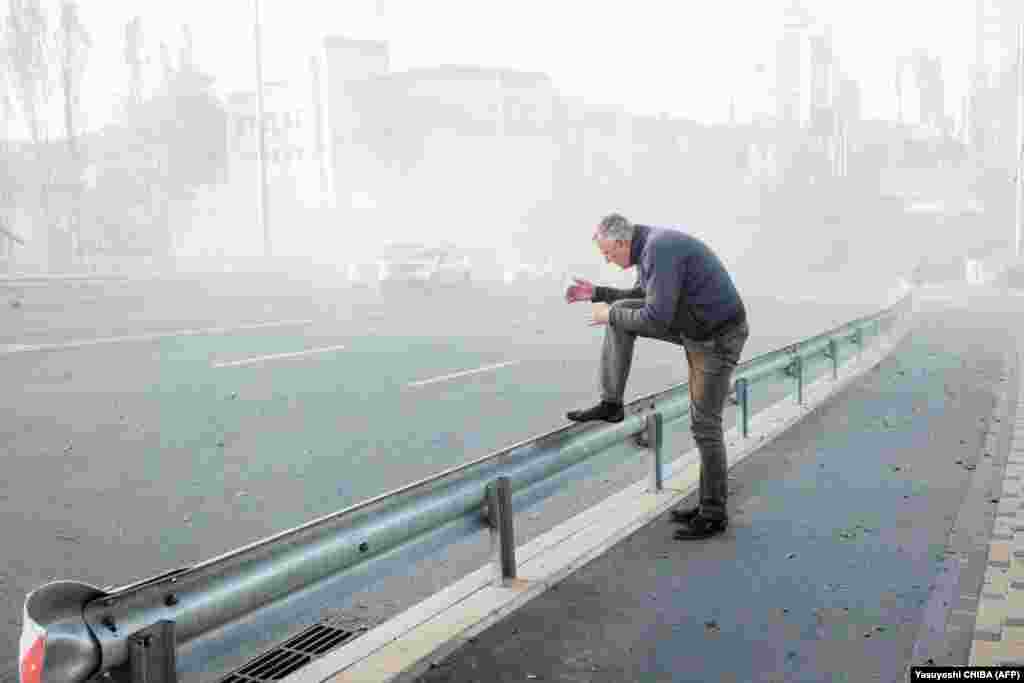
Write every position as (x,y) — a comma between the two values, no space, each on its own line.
(293,654)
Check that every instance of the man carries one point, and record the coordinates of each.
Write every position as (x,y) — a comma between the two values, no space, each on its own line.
(682,295)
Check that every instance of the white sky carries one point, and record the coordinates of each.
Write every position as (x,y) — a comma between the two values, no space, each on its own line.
(683,58)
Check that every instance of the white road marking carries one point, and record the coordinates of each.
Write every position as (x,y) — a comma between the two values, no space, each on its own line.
(260,359)
(442,378)
(74,344)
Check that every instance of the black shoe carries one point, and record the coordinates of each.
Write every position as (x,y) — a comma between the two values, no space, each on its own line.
(684,516)
(605,410)
(701,527)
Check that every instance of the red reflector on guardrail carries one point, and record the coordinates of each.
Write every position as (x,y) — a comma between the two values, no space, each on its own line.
(32,649)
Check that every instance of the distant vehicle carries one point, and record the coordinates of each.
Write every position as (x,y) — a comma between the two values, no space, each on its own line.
(1011,278)
(363,274)
(521,273)
(413,264)
(938,270)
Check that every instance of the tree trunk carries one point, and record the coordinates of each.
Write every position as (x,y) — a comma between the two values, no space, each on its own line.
(69,126)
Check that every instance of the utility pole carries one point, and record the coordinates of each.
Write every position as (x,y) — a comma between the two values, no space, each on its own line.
(321,157)
(264,217)
(1019,185)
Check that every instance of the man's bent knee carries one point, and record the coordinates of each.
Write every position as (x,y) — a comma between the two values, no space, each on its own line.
(707,432)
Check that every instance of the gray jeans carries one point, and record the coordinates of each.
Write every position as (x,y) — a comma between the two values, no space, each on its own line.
(711,366)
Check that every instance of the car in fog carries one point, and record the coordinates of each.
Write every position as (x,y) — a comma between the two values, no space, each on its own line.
(931,270)
(518,272)
(406,264)
(1011,278)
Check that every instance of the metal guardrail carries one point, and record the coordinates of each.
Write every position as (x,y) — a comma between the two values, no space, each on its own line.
(73,631)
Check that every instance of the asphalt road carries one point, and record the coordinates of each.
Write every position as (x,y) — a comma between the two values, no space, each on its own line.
(148,425)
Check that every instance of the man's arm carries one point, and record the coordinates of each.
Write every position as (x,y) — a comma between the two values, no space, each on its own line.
(663,292)
(611,294)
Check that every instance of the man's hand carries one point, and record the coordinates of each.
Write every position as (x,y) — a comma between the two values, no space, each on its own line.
(600,314)
(582,290)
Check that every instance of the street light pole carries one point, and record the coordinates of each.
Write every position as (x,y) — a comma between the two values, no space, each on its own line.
(264,215)
(1019,186)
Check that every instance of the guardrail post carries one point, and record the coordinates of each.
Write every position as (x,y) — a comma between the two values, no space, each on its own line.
(499,516)
(743,399)
(796,369)
(799,360)
(653,439)
(151,656)
(833,353)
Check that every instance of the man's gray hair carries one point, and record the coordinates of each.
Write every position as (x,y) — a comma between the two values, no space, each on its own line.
(614,226)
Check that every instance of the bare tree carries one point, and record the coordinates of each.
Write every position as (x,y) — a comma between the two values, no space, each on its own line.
(73,45)
(133,58)
(186,49)
(168,64)
(27,50)
(6,106)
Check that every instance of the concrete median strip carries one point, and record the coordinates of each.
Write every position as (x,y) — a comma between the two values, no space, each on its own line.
(405,646)
(150,336)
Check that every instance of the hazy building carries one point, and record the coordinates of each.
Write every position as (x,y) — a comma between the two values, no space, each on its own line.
(225,218)
(921,93)
(465,149)
(348,63)
(990,107)
(793,68)
(996,23)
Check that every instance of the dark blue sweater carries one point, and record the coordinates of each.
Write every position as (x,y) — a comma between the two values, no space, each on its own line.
(686,288)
